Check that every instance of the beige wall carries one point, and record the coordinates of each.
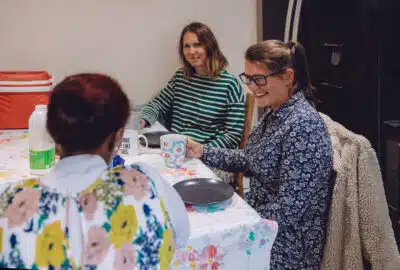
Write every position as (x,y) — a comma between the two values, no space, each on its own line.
(133,40)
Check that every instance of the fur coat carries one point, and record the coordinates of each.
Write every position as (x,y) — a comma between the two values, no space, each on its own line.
(359,226)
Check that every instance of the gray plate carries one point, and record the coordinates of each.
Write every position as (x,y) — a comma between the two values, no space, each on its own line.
(204,191)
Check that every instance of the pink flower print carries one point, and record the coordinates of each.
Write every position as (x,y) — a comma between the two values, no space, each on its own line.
(168,157)
(215,266)
(24,205)
(212,251)
(192,257)
(210,257)
(203,266)
(125,258)
(5,141)
(180,160)
(135,183)
(192,173)
(89,204)
(97,246)
(165,144)
(178,149)
(181,256)
(189,208)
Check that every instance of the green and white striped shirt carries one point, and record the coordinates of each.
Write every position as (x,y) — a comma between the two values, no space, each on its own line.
(211,111)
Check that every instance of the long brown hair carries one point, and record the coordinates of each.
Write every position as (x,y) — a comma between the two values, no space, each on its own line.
(277,55)
(216,59)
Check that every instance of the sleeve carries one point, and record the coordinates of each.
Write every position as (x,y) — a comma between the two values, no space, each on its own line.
(230,160)
(4,187)
(174,206)
(231,133)
(304,172)
(3,238)
(161,104)
(377,237)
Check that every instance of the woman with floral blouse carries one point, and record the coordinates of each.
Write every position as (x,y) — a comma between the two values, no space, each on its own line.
(82,214)
(288,156)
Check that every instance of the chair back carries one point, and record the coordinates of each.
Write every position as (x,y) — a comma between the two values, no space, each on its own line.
(248,120)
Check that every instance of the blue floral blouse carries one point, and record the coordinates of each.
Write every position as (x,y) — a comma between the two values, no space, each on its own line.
(288,159)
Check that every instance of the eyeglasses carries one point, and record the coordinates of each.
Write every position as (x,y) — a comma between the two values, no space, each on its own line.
(259,80)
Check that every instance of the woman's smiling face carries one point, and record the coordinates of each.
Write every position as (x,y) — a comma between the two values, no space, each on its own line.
(275,91)
(195,52)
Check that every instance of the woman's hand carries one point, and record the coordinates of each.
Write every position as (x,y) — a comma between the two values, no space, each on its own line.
(194,149)
(142,123)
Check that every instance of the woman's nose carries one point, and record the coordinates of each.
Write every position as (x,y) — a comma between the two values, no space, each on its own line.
(192,50)
(252,86)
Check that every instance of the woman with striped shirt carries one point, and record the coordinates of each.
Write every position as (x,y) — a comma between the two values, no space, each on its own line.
(204,101)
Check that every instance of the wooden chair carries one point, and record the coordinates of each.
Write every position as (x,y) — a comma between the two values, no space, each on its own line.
(248,120)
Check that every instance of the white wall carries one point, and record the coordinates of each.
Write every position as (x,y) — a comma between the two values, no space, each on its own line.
(133,40)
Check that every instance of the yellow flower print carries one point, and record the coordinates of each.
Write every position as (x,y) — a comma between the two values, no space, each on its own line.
(193,265)
(162,205)
(4,174)
(1,239)
(92,187)
(74,266)
(49,246)
(23,136)
(30,182)
(124,225)
(118,168)
(167,249)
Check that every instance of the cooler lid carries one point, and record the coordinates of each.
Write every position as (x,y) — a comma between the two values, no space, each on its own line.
(24,76)
(25,81)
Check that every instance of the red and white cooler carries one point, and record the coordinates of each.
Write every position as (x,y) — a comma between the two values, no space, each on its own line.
(20,91)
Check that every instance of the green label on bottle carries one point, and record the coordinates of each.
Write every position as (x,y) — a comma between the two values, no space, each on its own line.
(42,160)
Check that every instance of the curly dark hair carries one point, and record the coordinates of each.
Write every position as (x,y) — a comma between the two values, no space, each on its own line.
(84,110)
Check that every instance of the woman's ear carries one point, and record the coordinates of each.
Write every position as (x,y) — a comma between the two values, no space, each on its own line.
(59,151)
(118,136)
(288,77)
(114,140)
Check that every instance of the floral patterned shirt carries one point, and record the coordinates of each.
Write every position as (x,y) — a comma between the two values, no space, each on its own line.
(119,221)
(288,158)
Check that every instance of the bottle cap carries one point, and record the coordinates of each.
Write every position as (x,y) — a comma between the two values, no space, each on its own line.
(41,107)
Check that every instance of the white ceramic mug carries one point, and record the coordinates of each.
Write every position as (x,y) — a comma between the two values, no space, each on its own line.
(130,143)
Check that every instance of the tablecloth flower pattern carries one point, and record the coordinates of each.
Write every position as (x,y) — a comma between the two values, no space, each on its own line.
(230,235)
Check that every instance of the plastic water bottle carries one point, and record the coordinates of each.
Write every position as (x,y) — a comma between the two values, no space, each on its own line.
(42,150)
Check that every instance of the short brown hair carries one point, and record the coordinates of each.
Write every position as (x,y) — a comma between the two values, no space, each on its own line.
(277,55)
(84,110)
(217,60)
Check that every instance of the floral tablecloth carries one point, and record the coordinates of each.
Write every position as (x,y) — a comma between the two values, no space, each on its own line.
(229,236)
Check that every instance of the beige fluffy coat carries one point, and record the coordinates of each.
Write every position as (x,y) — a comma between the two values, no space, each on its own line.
(359,224)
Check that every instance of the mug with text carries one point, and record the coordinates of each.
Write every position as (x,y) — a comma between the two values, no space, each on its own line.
(130,143)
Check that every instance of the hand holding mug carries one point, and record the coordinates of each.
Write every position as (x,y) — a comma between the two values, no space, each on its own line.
(194,149)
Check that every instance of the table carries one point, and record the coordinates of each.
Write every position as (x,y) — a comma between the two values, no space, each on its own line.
(231,236)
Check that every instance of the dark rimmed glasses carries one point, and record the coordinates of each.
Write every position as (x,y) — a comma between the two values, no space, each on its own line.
(259,80)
